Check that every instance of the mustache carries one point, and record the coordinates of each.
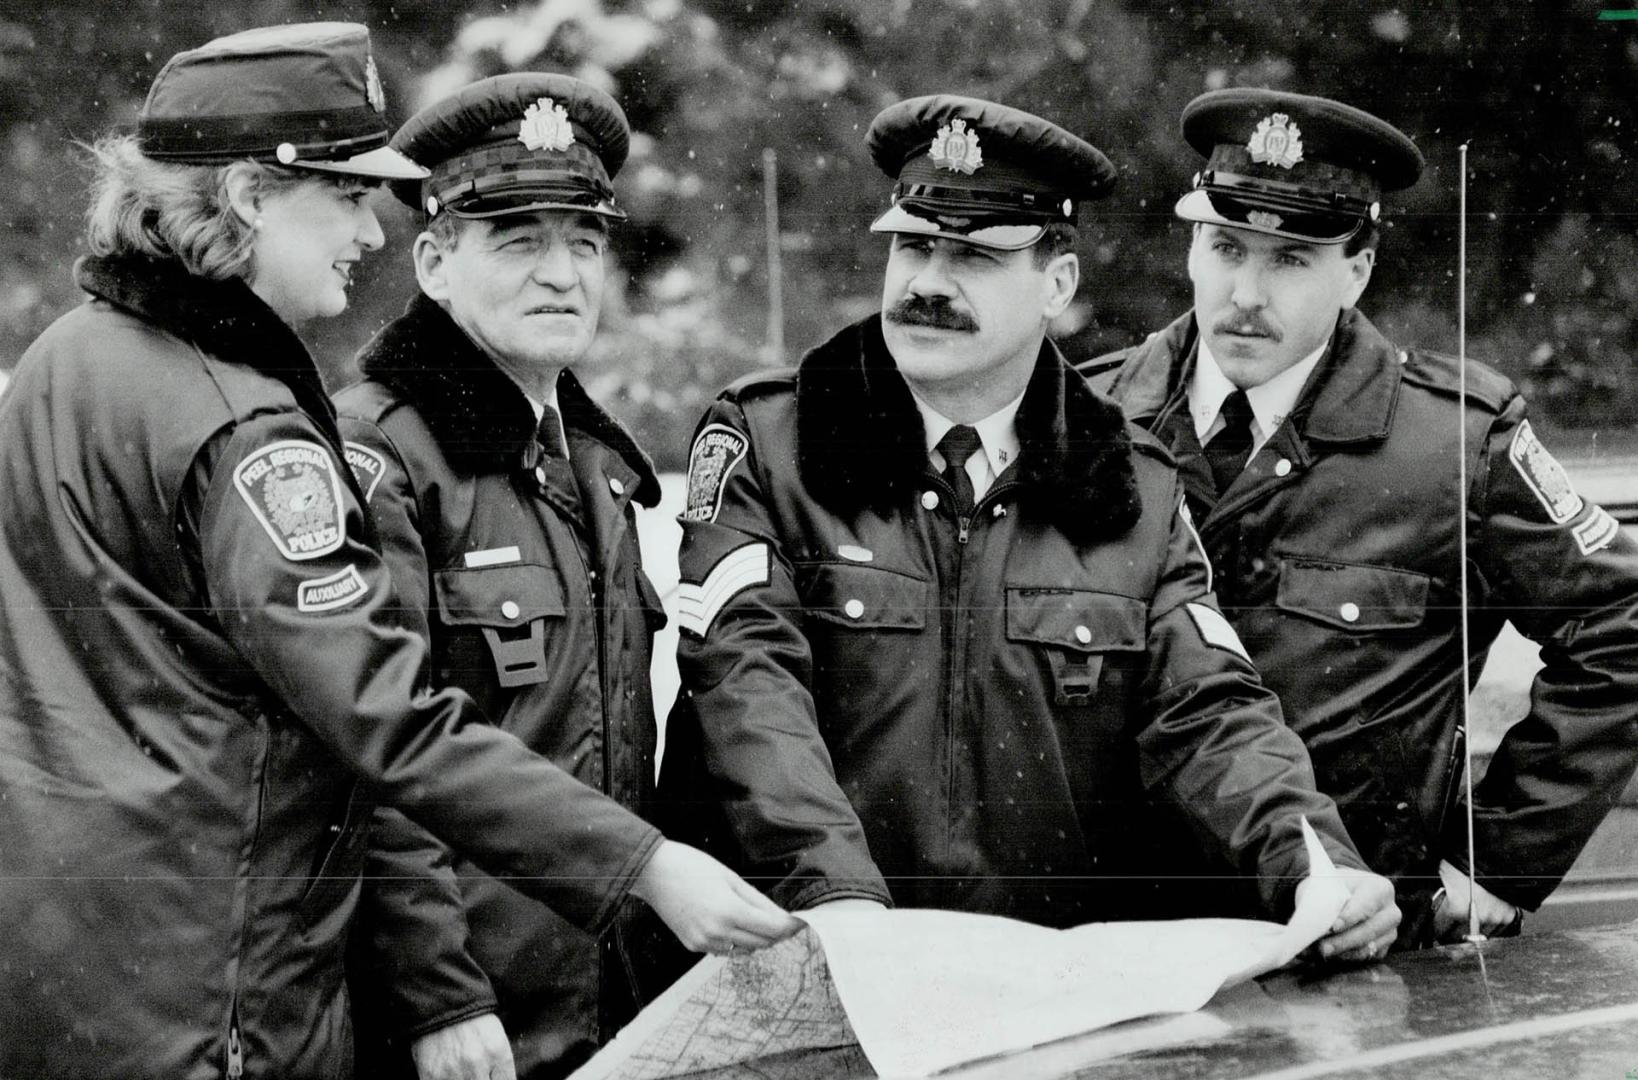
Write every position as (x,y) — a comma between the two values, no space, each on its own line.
(1246,322)
(931,311)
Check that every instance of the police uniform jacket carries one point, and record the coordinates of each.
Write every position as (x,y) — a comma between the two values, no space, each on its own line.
(1336,553)
(893,702)
(199,662)
(530,590)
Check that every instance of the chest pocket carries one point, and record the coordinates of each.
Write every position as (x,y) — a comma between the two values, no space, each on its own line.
(864,597)
(509,606)
(1079,628)
(1352,597)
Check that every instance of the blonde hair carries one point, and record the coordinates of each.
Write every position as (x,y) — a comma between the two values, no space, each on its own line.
(140,206)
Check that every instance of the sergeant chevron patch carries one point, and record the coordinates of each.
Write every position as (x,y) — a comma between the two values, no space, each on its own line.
(1598,531)
(1216,629)
(740,569)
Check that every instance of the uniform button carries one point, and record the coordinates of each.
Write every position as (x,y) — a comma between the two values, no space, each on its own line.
(1349,612)
(540,474)
(1083,635)
(929,500)
(854,608)
(616,486)
(999,511)
(1282,467)
(510,609)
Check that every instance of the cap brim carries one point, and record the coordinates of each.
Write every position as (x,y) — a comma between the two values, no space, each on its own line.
(1011,237)
(1308,228)
(382,163)
(494,206)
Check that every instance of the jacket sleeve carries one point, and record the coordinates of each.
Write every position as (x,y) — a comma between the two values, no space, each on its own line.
(1217,744)
(746,668)
(311,608)
(411,916)
(1566,575)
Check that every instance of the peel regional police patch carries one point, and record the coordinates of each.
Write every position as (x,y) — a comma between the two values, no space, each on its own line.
(293,490)
(717,450)
(1543,475)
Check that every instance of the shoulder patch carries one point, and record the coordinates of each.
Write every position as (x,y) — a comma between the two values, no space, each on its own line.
(1543,475)
(716,451)
(292,489)
(333,591)
(1216,630)
(367,465)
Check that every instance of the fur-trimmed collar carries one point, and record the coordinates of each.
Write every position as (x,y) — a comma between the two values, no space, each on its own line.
(479,416)
(222,318)
(862,445)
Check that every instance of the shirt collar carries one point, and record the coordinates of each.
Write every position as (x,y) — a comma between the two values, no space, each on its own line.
(997,432)
(1271,402)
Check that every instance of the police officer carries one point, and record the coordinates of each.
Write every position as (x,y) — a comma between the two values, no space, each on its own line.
(203,679)
(946,638)
(504,498)
(1321,461)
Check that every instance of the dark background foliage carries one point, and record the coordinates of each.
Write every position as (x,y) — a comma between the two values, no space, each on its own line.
(1543,93)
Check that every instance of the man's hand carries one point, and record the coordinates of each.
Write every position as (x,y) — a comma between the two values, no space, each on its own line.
(1367,925)
(1450,918)
(474,1049)
(708,906)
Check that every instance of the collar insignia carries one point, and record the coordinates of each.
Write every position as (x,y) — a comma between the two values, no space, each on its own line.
(545,126)
(1277,141)
(956,149)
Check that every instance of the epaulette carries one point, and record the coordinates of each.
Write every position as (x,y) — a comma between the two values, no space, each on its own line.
(1438,372)
(761,381)
(1098,365)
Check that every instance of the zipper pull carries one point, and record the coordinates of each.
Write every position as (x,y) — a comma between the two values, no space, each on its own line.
(964,525)
(235,1052)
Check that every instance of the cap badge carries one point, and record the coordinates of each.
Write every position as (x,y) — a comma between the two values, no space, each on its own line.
(372,86)
(956,149)
(545,126)
(1277,141)
(1264,219)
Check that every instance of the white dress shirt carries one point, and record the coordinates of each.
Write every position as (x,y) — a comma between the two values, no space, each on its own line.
(997,433)
(1271,402)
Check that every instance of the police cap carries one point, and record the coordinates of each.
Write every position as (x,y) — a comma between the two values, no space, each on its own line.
(982,173)
(306,95)
(1291,165)
(525,141)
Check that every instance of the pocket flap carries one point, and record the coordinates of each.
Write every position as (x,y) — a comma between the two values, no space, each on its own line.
(1352,597)
(498,596)
(866,597)
(1077,619)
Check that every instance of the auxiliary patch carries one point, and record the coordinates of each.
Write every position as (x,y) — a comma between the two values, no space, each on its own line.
(1598,531)
(293,490)
(335,591)
(1216,629)
(716,451)
(740,569)
(1543,475)
(367,465)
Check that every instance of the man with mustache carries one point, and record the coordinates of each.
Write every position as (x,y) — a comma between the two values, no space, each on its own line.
(502,494)
(1321,464)
(947,638)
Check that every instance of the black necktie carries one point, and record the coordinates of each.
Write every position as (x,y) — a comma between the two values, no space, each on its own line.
(959,444)
(1230,449)
(554,470)
(549,433)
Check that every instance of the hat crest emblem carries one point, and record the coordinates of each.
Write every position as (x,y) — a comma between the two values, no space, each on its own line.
(1264,219)
(372,85)
(955,148)
(1277,141)
(545,126)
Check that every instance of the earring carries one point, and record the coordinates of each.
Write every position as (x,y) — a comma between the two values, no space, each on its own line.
(256,225)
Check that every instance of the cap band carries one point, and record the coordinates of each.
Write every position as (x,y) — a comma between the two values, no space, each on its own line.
(322,133)
(1297,197)
(1023,205)
(510,166)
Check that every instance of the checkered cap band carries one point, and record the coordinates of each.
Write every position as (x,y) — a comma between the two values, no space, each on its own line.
(498,168)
